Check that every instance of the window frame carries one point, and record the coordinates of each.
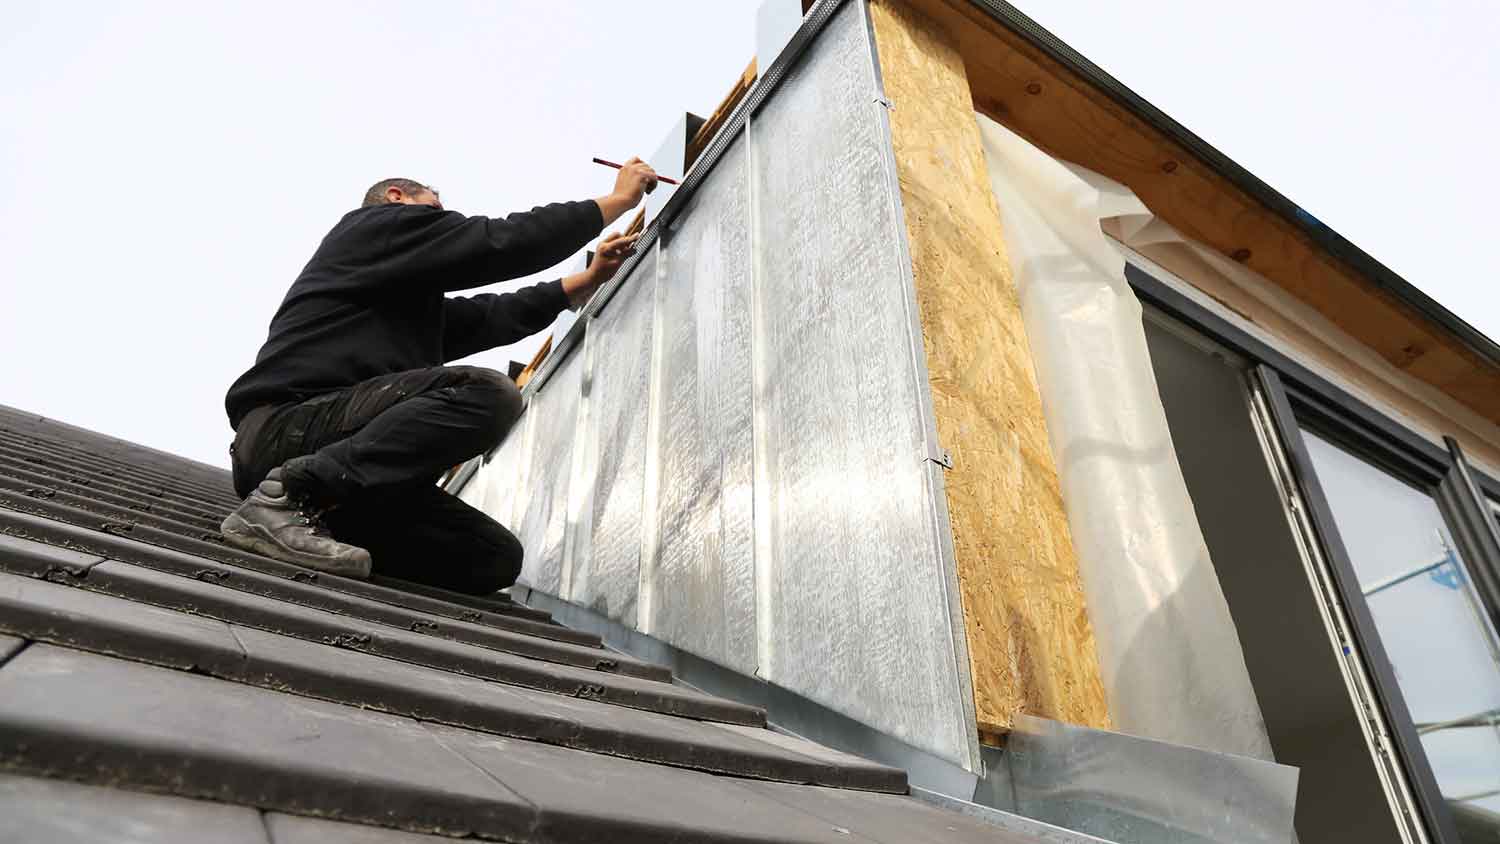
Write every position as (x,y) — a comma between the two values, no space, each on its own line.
(1464,494)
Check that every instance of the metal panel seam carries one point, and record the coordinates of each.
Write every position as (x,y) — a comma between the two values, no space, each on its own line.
(759,433)
(645,602)
(935,458)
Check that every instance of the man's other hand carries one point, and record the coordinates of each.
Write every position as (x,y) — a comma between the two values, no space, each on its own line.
(632,183)
(611,253)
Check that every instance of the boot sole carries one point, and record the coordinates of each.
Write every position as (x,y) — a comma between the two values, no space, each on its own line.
(247,537)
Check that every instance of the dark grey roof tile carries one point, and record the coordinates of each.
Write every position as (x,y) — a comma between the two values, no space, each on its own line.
(74,715)
(884,818)
(55,524)
(516,635)
(58,614)
(584,798)
(292,829)
(209,599)
(49,612)
(42,811)
(45,561)
(95,622)
(853,771)
(280,662)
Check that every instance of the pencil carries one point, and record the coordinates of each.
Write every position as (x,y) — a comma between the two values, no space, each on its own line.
(663,179)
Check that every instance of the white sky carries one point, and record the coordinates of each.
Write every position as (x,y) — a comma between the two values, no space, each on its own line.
(168,167)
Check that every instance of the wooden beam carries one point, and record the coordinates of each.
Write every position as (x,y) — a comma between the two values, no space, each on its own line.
(720,116)
(536,363)
(1031,648)
(1032,94)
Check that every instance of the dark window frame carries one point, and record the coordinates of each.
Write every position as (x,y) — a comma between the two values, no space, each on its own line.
(1300,396)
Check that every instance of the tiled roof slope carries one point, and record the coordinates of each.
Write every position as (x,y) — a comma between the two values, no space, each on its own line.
(156,685)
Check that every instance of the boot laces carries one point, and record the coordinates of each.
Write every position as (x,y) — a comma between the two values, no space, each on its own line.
(311,517)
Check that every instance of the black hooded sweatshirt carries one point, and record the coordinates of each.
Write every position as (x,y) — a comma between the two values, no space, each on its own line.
(370,302)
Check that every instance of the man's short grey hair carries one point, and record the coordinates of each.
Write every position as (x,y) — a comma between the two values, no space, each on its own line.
(376,194)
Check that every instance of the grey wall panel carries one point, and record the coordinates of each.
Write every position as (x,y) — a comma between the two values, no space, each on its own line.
(854,583)
(543,508)
(700,582)
(606,554)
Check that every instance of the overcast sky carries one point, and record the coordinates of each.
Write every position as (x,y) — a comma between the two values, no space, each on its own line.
(168,167)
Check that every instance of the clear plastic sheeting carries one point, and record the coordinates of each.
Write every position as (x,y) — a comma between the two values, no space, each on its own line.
(1171,659)
(604,565)
(703,565)
(762,468)
(548,462)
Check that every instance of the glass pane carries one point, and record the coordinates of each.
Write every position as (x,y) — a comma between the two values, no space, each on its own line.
(1441,646)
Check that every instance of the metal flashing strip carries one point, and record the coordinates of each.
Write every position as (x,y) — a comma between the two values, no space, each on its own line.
(1325,237)
(812,24)
(1038,831)
(1134,790)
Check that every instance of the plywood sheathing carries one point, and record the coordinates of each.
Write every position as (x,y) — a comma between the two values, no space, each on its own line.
(1057,110)
(526,374)
(1030,644)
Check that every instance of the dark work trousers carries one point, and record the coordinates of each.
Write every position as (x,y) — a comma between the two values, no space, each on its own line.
(378,449)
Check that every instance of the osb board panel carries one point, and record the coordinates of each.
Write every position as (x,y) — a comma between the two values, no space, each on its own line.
(1031,648)
(1053,108)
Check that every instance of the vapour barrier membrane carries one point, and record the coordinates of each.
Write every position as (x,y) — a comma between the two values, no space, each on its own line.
(1171,660)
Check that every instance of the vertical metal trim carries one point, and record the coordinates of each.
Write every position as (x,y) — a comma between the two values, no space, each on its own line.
(524,488)
(760,507)
(935,458)
(1474,527)
(577,513)
(645,594)
(1418,781)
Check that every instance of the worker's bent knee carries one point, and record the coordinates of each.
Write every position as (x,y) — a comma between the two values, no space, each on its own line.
(488,560)
(495,394)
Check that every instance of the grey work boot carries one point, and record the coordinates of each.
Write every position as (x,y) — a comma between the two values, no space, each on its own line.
(275,523)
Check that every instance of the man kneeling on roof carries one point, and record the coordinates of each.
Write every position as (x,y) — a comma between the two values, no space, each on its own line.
(348,417)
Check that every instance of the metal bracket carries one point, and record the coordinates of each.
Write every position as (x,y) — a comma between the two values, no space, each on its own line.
(889,106)
(943,459)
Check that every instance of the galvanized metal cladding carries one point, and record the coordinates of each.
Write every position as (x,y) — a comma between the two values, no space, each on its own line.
(733,460)
(1123,788)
